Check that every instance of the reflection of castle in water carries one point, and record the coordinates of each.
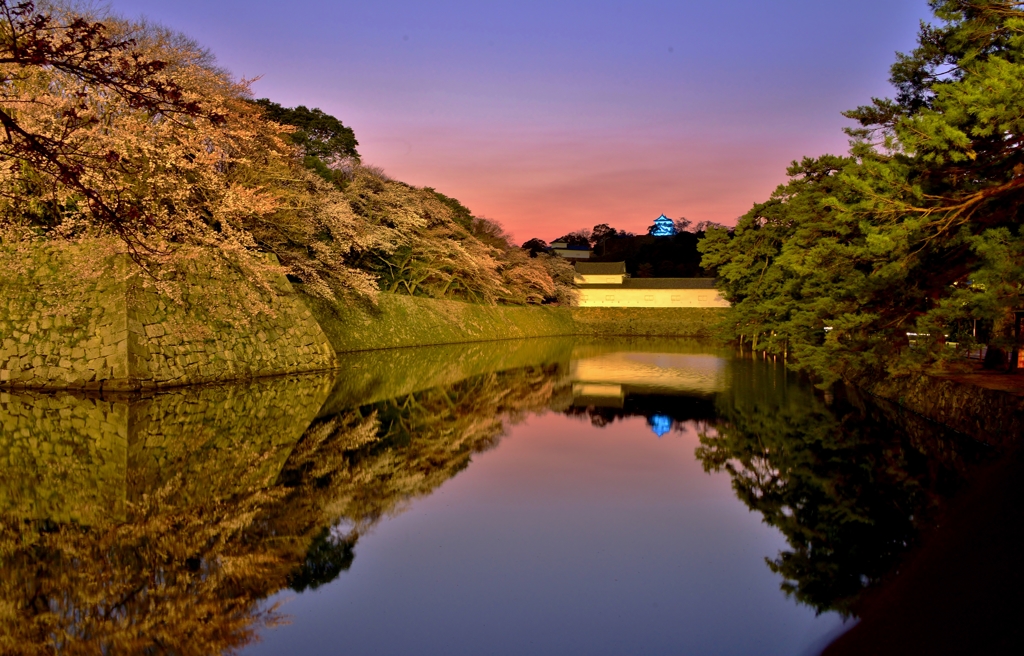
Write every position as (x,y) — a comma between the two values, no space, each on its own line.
(664,387)
(658,373)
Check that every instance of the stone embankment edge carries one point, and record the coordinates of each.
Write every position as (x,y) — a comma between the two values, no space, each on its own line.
(991,416)
(113,331)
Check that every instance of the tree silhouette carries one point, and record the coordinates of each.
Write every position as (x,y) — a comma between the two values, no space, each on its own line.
(850,484)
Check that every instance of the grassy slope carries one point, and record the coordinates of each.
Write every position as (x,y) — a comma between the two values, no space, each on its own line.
(401,321)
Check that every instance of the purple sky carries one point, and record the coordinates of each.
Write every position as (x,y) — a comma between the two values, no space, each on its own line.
(551,116)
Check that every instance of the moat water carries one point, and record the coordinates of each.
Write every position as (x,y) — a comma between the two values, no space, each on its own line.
(552,496)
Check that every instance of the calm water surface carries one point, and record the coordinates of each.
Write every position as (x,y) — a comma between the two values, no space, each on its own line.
(535,497)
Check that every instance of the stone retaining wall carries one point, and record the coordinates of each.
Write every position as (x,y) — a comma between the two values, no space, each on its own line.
(63,318)
(68,457)
(204,337)
(74,317)
(991,416)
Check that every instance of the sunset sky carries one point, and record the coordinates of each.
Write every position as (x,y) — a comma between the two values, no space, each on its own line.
(552,116)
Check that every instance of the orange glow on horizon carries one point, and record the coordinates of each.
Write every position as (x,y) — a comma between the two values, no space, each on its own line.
(539,186)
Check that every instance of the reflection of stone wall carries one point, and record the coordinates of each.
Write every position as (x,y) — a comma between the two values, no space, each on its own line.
(63,457)
(655,373)
(221,439)
(73,317)
(72,458)
(372,376)
(211,528)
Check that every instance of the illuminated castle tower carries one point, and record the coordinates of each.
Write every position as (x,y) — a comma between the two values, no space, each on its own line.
(663,227)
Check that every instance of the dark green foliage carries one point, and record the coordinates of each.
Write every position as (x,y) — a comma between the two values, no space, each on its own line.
(319,134)
(490,233)
(575,238)
(601,233)
(324,140)
(328,556)
(794,266)
(535,246)
(645,256)
(916,231)
(660,257)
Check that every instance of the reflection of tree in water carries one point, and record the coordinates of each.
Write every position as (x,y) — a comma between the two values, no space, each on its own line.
(353,469)
(850,484)
(180,580)
(186,574)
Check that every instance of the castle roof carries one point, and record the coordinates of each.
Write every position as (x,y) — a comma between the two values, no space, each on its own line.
(663,227)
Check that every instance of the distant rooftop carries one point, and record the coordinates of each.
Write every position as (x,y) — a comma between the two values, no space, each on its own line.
(600,268)
(659,283)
